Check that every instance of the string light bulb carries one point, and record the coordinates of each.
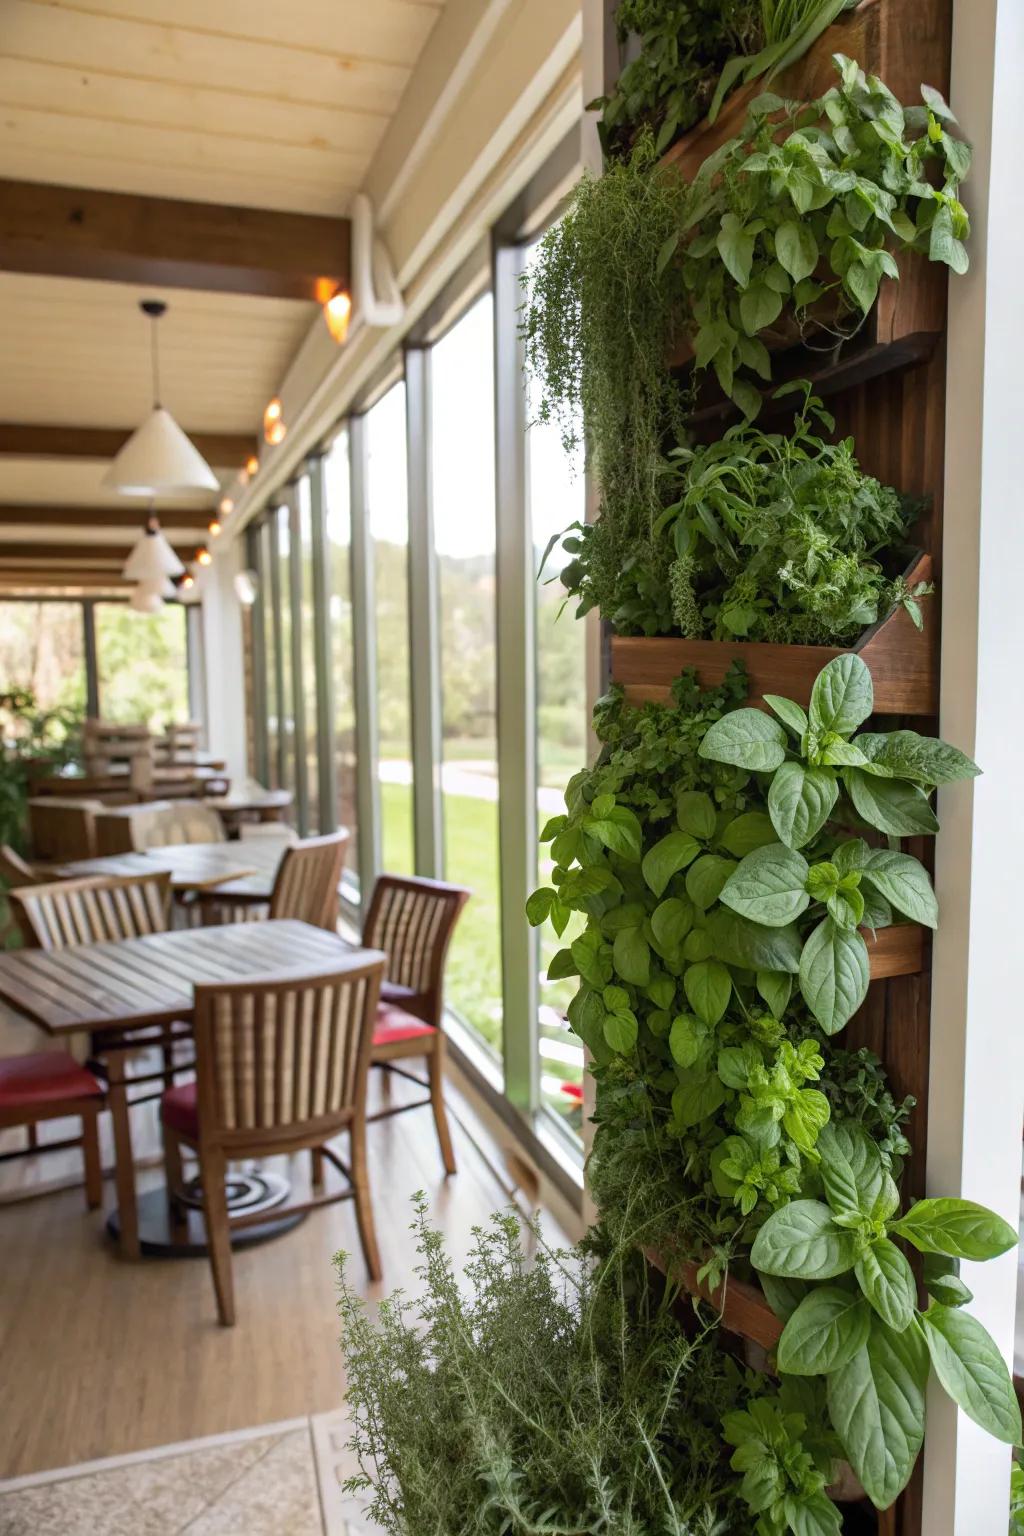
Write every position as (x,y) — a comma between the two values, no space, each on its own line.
(252,465)
(203,557)
(187,581)
(274,428)
(226,507)
(337,314)
(214,529)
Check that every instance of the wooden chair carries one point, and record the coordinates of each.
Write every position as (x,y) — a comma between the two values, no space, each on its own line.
(50,1085)
(412,920)
(280,1066)
(63,827)
(92,910)
(305,887)
(135,828)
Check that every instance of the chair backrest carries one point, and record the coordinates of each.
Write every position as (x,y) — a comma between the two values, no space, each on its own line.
(158,825)
(280,1058)
(14,871)
(69,912)
(306,884)
(412,921)
(63,827)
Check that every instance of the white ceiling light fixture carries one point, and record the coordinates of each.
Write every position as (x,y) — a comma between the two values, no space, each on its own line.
(148,596)
(158,459)
(152,559)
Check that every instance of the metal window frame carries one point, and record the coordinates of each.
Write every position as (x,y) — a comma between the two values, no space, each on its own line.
(327,774)
(258,660)
(293,503)
(274,546)
(92,669)
(364,634)
(424,621)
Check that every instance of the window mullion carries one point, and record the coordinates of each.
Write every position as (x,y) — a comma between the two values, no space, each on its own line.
(365,665)
(295,660)
(325,748)
(424,635)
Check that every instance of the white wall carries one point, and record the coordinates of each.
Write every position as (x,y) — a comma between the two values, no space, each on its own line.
(224,663)
(976,1101)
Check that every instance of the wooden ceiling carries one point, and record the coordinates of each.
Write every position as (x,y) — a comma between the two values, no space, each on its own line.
(242,103)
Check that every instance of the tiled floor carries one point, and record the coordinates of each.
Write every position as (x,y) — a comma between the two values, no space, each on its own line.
(279,1480)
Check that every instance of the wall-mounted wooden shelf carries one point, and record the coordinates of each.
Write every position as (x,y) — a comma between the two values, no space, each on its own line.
(903,661)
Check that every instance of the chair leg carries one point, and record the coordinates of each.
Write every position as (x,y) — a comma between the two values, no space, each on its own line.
(435,1073)
(213,1172)
(174,1172)
(91,1160)
(316,1158)
(363,1204)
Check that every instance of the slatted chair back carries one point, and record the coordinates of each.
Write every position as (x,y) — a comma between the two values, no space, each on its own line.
(412,920)
(92,911)
(16,871)
(158,825)
(63,827)
(285,1060)
(306,884)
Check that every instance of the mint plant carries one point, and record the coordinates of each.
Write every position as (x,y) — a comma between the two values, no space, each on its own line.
(854,1317)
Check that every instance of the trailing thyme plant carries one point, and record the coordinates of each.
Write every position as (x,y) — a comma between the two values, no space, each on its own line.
(553,1398)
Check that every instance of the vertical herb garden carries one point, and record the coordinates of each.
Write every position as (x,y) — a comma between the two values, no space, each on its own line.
(744,1341)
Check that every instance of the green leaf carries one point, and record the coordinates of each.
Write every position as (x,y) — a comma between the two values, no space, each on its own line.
(689,1040)
(902,810)
(800,802)
(736,247)
(747,738)
(618,830)
(760,306)
(592,957)
(769,886)
(671,921)
(776,988)
(620,1031)
(846,908)
(788,712)
(801,1241)
(842,696)
(705,879)
(783,1296)
(699,1095)
(959,1228)
(796,248)
(846,1149)
(745,833)
(538,906)
(695,813)
(631,956)
(840,1181)
(924,759)
(825,1332)
(877,1406)
(668,856)
(904,882)
(942,1281)
(834,975)
(753,946)
(708,987)
(561,965)
(972,1370)
(887,1281)
(811,1514)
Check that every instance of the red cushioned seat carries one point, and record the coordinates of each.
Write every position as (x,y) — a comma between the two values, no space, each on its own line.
(178,1109)
(394,1024)
(45,1077)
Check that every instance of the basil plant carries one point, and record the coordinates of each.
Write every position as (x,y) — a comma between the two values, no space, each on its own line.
(831,1268)
(823,784)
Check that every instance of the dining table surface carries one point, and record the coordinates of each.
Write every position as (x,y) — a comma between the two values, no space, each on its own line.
(196,866)
(121,989)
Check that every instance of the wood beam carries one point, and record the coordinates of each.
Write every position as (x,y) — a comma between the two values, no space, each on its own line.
(125,238)
(60,576)
(40,553)
(224,450)
(74,518)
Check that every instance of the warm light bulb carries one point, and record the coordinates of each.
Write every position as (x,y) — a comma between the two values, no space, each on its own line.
(214,529)
(187,581)
(226,507)
(204,557)
(338,313)
(276,433)
(252,466)
(274,428)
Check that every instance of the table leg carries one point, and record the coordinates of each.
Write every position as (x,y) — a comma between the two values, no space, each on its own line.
(124,1169)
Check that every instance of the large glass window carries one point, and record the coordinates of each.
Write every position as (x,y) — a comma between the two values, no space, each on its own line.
(557,498)
(142,664)
(337,493)
(42,650)
(306,750)
(286,718)
(462,411)
(388,509)
(268,548)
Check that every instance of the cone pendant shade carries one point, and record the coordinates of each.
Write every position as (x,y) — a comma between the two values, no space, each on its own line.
(159,460)
(152,560)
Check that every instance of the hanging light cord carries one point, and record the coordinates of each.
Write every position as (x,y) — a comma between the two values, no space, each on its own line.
(156,364)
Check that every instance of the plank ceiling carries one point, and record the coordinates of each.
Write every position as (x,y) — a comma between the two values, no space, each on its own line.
(273,104)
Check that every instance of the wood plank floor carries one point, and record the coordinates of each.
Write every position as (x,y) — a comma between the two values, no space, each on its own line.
(102,1357)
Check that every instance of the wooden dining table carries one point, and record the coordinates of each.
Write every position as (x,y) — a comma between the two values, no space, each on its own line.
(195,866)
(126,991)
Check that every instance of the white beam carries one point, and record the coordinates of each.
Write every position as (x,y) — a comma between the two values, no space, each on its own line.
(976,1097)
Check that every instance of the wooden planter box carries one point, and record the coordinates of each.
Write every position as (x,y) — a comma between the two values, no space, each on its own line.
(742,1307)
(905,46)
(903,661)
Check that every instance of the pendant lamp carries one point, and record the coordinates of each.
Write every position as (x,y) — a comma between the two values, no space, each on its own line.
(158,459)
(152,559)
(147,597)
